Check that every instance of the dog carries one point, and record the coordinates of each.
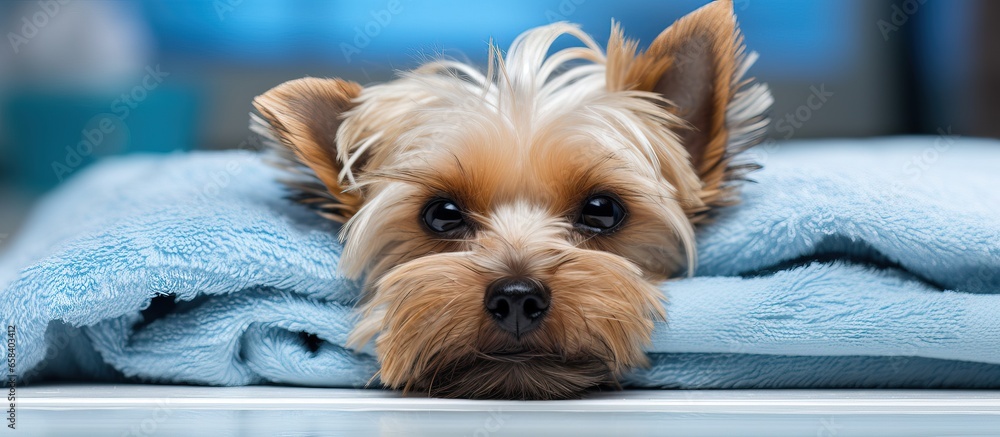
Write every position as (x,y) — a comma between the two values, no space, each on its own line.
(513,227)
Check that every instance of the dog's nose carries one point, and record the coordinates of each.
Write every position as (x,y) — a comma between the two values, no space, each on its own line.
(517,305)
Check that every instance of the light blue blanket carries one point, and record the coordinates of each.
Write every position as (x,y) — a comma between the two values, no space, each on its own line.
(849,264)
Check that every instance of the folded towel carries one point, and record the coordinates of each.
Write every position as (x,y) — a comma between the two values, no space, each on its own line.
(849,264)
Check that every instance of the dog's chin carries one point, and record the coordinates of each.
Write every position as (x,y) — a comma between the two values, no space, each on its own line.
(515,375)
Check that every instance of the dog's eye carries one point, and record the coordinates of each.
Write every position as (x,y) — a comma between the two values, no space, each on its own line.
(442,215)
(601,213)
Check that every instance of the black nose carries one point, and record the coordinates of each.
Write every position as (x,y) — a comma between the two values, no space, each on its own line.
(517,305)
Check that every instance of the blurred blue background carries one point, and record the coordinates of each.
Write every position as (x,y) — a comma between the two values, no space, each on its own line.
(83,79)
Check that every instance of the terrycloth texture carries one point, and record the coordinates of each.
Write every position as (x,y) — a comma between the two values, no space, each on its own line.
(849,264)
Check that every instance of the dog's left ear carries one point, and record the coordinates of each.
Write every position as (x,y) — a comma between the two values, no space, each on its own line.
(696,64)
(302,118)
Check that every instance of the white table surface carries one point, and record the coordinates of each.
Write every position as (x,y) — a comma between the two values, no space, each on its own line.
(149,410)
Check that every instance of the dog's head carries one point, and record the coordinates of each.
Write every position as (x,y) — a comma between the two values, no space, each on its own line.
(512,225)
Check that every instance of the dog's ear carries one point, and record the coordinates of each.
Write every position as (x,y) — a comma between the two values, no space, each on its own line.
(697,64)
(303,117)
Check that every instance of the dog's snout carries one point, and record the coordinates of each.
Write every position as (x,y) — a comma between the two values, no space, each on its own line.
(517,304)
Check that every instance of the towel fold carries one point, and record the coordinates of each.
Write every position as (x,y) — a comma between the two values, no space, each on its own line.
(870,263)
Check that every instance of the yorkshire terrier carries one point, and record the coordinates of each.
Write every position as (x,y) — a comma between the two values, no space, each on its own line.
(512,227)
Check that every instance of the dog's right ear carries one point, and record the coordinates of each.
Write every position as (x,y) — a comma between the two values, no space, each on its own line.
(303,117)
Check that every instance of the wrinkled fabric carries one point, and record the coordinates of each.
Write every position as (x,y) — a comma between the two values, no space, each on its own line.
(862,263)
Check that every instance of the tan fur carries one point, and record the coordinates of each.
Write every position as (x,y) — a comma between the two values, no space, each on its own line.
(519,149)
(694,65)
(305,115)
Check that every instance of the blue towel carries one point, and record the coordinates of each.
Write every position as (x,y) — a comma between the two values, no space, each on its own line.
(869,263)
